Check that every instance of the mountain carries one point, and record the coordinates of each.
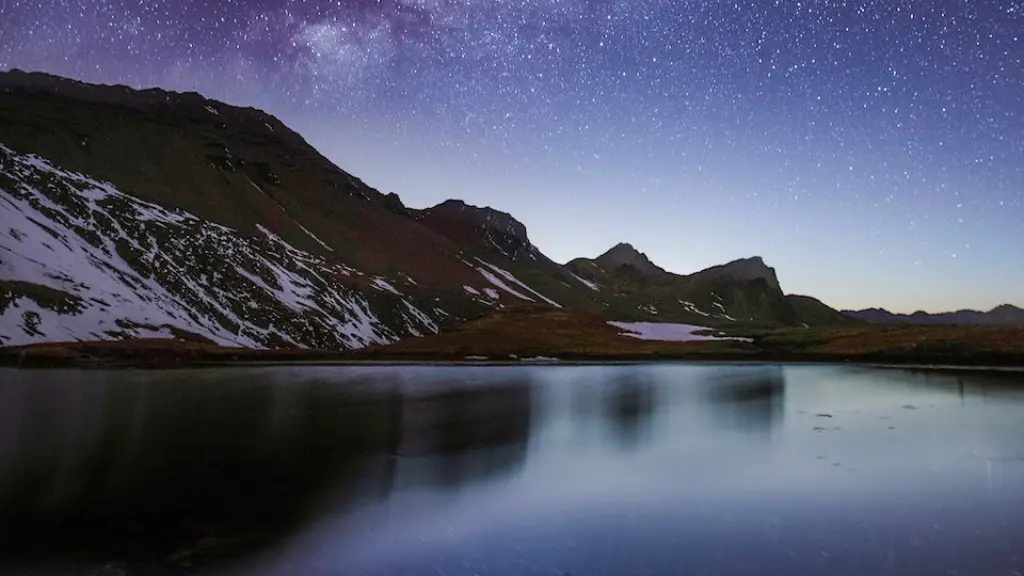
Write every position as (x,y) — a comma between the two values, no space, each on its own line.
(745,291)
(484,228)
(747,269)
(1004,315)
(132,213)
(623,257)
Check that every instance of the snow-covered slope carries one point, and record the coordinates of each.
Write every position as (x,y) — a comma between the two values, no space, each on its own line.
(80,260)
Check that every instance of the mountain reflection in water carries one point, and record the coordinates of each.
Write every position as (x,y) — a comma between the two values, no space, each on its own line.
(120,465)
(659,469)
(750,400)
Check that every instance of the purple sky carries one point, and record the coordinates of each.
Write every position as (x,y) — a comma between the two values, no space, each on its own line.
(873,152)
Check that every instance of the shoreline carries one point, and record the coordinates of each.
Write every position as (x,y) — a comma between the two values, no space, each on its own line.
(174,354)
(131,363)
(582,363)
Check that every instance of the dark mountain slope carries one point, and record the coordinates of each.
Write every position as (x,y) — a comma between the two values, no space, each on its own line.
(82,164)
(154,213)
(497,237)
(238,167)
(743,291)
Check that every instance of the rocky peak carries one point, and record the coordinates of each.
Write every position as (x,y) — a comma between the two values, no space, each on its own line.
(752,268)
(394,203)
(1007,313)
(624,254)
(481,217)
(479,225)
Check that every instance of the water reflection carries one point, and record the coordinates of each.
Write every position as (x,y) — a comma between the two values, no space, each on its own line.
(629,405)
(617,469)
(450,437)
(749,398)
(160,462)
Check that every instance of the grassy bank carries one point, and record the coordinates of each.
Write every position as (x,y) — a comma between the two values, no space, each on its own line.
(516,336)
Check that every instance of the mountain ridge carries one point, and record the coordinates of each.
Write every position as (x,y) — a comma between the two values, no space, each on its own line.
(131,189)
(624,254)
(1003,314)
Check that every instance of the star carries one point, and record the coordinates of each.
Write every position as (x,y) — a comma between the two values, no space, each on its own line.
(828,118)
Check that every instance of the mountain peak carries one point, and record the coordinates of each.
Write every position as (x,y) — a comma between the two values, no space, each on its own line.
(624,254)
(751,268)
(480,216)
(479,225)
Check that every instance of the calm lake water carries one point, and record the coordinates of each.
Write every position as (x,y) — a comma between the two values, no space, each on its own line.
(625,470)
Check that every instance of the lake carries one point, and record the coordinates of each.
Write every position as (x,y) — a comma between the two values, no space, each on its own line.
(556,470)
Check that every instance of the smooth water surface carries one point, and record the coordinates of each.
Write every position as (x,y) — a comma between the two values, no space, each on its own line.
(653,469)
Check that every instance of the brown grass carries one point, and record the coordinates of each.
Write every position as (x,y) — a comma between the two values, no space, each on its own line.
(536,331)
(531,331)
(528,331)
(911,338)
(147,353)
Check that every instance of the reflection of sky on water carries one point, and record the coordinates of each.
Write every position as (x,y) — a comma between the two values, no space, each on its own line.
(755,460)
(710,468)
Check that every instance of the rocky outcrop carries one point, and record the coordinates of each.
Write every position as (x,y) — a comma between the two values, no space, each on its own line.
(747,269)
(481,226)
(624,254)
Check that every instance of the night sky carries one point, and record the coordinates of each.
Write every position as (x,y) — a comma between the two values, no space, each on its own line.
(872,151)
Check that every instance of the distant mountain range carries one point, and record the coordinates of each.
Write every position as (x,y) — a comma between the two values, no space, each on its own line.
(147,213)
(1004,315)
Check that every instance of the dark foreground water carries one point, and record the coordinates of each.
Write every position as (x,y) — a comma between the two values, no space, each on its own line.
(625,470)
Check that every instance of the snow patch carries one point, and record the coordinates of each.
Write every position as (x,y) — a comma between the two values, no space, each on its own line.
(691,307)
(419,317)
(314,237)
(384,286)
(497,282)
(212,110)
(471,290)
(506,275)
(285,212)
(540,360)
(593,286)
(667,332)
(498,246)
(649,309)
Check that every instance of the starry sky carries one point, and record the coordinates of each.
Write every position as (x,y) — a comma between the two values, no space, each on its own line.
(871,151)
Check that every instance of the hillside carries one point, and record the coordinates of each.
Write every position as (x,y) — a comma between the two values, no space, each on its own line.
(524,335)
(537,333)
(133,214)
(1003,315)
(745,291)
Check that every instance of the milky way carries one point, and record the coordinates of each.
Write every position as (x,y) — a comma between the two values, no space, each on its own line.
(872,151)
